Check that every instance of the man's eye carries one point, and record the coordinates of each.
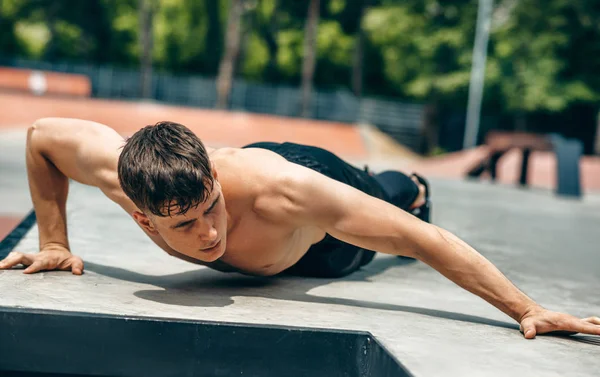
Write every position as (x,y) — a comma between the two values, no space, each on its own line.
(186,225)
(211,207)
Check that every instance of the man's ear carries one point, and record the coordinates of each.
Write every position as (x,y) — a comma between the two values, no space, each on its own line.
(144,222)
(213,170)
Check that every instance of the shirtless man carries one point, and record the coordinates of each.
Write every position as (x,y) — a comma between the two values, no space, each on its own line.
(264,209)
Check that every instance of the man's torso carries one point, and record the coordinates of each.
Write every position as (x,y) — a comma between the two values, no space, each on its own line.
(261,240)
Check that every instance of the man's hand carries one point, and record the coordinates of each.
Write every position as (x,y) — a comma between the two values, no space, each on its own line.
(49,258)
(541,321)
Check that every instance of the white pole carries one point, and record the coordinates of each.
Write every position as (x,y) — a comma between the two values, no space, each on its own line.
(484,22)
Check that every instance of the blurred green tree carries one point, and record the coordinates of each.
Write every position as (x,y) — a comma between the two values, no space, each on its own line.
(232,50)
(309,54)
(9,41)
(147,10)
(541,70)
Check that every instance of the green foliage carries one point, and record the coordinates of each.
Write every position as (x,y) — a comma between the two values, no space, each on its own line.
(533,51)
(10,43)
(424,48)
(289,57)
(257,59)
(334,55)
(541,57)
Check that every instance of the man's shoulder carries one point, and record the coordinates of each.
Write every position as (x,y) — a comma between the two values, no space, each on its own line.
(255,166)
(251,176)
(266,174)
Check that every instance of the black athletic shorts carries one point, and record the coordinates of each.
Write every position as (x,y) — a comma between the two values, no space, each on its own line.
(331,257)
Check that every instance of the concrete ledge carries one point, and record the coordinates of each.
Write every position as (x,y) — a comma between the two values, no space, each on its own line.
(545,245)
(87,344)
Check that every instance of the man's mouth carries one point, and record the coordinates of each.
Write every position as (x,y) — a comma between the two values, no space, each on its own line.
(211,248)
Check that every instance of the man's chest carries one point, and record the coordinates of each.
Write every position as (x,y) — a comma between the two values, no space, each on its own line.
(262,247)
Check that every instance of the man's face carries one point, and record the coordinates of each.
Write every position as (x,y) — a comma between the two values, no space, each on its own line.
(200,233)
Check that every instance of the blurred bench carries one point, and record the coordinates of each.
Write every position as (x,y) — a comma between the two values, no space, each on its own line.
(568,153)
(44,82)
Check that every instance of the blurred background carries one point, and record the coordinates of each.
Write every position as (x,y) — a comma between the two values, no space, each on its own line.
(446,88)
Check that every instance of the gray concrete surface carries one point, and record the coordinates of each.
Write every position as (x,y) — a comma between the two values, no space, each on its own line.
(546,245)
(14,191)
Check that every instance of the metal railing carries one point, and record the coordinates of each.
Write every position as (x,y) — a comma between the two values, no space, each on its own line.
(400,120)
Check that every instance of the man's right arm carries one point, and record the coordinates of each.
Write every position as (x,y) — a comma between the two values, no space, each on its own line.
(60,149)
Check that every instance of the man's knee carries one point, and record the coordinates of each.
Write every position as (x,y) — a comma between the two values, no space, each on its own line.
(400,188)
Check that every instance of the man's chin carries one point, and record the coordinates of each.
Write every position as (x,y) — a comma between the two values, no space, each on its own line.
(212,255)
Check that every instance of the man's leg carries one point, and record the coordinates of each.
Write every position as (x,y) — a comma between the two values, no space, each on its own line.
(423,194)
(411,193)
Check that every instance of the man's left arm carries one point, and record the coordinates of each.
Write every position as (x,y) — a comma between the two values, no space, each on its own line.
(373,224)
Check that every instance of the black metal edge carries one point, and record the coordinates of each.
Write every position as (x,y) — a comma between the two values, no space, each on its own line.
(16,235)
(83,364)
(391,355)
(371,357)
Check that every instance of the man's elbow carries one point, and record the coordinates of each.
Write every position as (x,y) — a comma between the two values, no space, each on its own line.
(42,125)
(428,242)
(35,133)
(41,132)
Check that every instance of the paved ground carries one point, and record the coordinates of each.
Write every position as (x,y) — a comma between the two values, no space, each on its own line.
(14,192)
(547,246)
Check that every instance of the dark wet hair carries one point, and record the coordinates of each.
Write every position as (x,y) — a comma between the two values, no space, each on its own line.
(165,169)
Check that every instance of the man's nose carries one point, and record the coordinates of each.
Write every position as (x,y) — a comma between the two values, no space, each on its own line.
(208,233)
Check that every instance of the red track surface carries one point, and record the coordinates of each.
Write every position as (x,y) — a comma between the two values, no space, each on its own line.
(214,127)
(47,82)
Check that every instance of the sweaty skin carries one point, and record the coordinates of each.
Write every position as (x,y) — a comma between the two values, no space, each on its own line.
(261,217)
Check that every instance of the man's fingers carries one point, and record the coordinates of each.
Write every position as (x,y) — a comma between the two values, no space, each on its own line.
(528,328)
(73,263)
(35,267)
(530,333)
(593,320)
(559,324)
(15,258)
(77,265)
(44,261)
(586,327)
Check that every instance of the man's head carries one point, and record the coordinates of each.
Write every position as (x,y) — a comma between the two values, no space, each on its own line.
(165,170)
